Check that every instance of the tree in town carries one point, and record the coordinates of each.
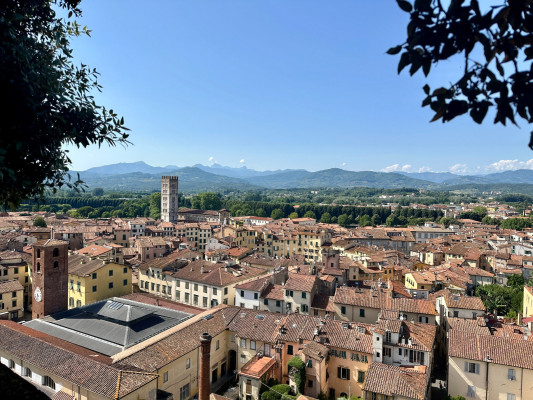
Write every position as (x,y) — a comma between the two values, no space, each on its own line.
(310,214)
(98,192)
(40,222)
(326,218)
(48,100)
(293,215)
(277,213)
(495,45)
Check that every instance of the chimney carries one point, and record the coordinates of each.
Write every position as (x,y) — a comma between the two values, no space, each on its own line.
(204,387)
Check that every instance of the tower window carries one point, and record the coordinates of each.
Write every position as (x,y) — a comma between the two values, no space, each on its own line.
(56,264)
(56,252)
(38,267)
(38,253)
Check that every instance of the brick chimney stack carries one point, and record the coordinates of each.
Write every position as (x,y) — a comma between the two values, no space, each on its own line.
(204,386)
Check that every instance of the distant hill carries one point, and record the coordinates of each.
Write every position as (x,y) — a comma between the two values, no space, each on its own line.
(518,176)
(437,177)
(190,180)
(337,178)
(241,172)
(126,168)
(139,176)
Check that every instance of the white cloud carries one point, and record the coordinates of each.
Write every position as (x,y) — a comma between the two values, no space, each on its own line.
(242,161)
(391,168)
(397,167)
(343,164)
(425,169)
(509,165)
(212,160)
(459,169)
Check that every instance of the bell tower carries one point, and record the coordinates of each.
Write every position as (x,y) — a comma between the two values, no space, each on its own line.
(49,277)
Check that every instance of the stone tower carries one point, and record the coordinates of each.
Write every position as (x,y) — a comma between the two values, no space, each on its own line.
(49,277)
(169,199)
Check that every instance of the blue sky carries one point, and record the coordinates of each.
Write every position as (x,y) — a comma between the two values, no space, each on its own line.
(276,84)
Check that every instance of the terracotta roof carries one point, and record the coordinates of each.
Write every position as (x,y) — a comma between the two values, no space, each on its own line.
(500,350)
(304,283)
(218,274)
(273,292)
(81,265)
(315,350)
(10,286)
(463,302)
(404,382)
(256,285)
(257,367)
(96,377)
(94,250)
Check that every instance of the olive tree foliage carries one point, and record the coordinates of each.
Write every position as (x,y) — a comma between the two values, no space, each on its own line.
(48,100)
(495,43)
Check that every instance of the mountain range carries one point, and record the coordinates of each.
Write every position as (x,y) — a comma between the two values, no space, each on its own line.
(139,176)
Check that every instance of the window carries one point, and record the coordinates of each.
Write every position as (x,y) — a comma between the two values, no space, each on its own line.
(110,285)
(195,299)
(471,391)
(125,282)
(225,290)
(304,295)
(195,287)
(456,314)
(343,373)
(243,343)
(47,381)
(217,345)
(278,303)
(387,351)
(14,303)
(309,363)
(362,312)
(78,303)
(11,364)
(78,286)
(423,319)
(186,285)
(256,296)
(204,302)
(26,372)
(56,264)
(511,396)
(188,363)
(184,392)
(177,283)
(110,272)
(290,350)
(252,344)
(243,359)
(265,302)
(343,310)
(472,368)
(165,377)
(511,374)
(187,297)
(232,339)
(360,376)
(70,302)
(215,291)
(310,383)
(400,351)
(242,293)
(94,288)
(388,337)
(289,293)
(305,308)
(55,253)
(205,289)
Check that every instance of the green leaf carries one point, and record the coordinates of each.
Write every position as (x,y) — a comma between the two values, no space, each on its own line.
(405,5)
(394,50)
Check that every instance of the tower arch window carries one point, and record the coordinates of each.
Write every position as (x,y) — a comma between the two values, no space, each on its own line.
(56,252)
(56,264)
(38,253)
(38,267)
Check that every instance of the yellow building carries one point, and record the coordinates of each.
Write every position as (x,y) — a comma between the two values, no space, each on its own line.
(14,265)
(528,302)
(91,279)
(11,300)
(489,367)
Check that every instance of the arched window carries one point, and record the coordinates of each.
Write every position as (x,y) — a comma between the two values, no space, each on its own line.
(56,252)
(38,253)
(38,267)
(56,264)
(71,301)
(47,381)
(78,303)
